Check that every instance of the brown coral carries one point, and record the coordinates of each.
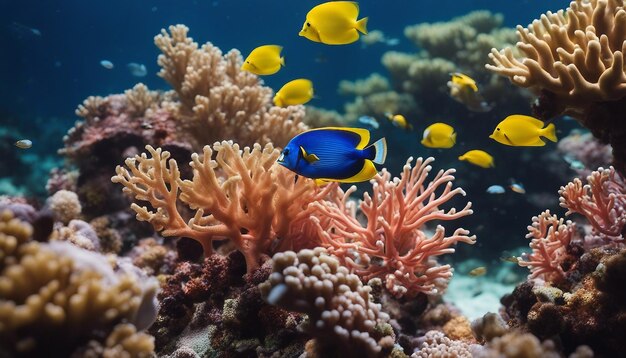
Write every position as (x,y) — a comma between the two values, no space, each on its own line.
(70,293)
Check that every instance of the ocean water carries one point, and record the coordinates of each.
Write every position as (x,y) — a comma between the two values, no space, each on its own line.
(51,61)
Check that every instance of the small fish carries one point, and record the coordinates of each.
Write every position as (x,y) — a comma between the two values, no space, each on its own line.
(24,143)
(399,121)
(392,42)
(478,271)
(107,64)
(337,154)
(496,189)
(523,131)
(478,157)
(463,89)
(294,92)
(23,30)
(464,81)
(518,188)
(513,259)
(370,121)
(264,60)
(334,23)
(573,163)
(137,69)
(439,135)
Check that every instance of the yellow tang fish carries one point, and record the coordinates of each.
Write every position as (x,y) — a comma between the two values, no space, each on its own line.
(478,157)
(399,121)
(264,60)
(464,80)
(294,92)
(334,23)
(439,135)
(523,131)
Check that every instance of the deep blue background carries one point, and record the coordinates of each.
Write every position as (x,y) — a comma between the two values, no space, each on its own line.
(49,75)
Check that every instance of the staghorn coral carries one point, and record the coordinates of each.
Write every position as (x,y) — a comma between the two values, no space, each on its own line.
(393,245)
(71,294)
(339,308)
(242,195)
(575,60)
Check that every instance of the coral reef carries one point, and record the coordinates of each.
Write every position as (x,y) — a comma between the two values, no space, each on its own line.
(574,61)
(584,152)
(341,314)
(70,297)
(214,308)
(393,245)
(212,99)
(242,195)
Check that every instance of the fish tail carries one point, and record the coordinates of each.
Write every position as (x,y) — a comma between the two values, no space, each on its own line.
(377,152)
(550,132)
(361,26)
(282,61)
(453,138)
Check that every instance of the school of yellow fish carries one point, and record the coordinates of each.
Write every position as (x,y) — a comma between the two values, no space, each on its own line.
(338,23)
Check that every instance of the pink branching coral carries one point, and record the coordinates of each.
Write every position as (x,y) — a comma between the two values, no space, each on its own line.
(550,237)
(602,201)
(393,245)
(240,195)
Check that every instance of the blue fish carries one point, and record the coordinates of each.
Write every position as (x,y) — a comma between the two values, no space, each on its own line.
(334,154)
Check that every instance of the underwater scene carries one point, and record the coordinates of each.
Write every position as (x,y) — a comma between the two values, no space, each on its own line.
(265,178)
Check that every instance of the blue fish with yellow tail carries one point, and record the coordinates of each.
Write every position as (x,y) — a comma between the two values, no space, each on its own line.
(334,154)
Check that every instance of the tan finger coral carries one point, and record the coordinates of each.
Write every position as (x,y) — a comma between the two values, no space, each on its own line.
(340,309)
(574,59)
(53,297)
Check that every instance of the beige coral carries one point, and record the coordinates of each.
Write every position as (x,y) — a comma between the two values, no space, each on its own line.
(216,100)
(69,293)
(64,205)
(578,53)
(238,194)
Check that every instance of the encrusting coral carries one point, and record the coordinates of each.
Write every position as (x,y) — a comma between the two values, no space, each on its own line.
(70,297)
(574,59)
(241,195)
(341,314)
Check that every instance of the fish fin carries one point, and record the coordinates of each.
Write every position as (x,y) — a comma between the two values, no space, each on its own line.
(528,119)
(377,152)
(361,25)
(474,87)
(278,101)
(363,133)
(462,157)
(309,157)
(282,61)
(549,132)
(453,137)
(321,182)
(367,172)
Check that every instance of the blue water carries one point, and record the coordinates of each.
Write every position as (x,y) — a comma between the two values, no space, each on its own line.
(49,75)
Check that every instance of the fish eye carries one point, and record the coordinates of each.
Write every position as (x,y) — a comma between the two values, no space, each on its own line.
(308,25)
(247,61)
(286,152)
(498,128)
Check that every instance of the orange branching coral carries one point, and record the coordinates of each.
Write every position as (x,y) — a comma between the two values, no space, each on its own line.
(602,201)
(216,100)
(577,53)
(550,237)
(394,245)
(240,195)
